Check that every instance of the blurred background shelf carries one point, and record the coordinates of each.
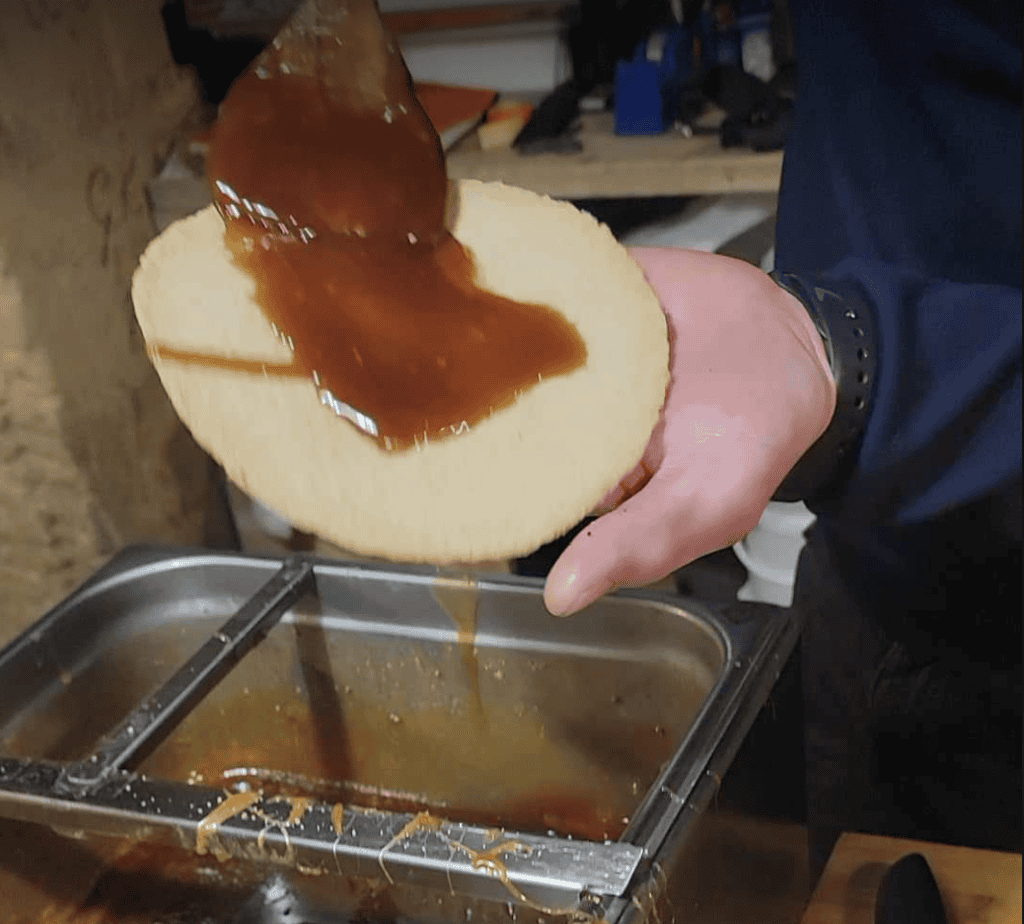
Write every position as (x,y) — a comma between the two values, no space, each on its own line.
(612,166)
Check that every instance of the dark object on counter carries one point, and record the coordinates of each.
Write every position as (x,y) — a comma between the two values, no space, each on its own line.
(757,115)
(550,129)
(909,894)
(769,135)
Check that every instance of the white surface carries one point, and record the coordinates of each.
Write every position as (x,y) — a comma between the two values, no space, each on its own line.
(763,584)
(526,58)
(523,58)
(778,538)
(707,223)
(770,552)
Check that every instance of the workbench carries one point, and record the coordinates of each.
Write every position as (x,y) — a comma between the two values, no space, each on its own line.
(670,164)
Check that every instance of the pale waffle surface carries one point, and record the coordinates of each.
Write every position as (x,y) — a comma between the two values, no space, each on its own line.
(518,479)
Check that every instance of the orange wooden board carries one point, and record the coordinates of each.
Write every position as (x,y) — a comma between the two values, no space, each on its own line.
(450,107)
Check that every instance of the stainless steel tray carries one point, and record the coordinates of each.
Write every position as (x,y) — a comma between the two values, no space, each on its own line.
(568,758)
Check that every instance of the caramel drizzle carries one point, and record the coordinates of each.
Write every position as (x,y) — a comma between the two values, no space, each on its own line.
(488,860)
(299,806)
(422,821)
(228,363)
(338,818)
(206,830)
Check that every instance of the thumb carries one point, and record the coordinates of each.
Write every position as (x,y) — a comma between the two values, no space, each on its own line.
(631,546)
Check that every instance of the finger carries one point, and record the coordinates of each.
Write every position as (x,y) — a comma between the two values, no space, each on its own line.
(679,516)
(631,546)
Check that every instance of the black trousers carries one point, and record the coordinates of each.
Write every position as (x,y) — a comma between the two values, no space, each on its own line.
(902,740)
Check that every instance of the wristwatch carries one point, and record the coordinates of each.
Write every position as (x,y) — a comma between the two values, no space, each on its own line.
(849,332)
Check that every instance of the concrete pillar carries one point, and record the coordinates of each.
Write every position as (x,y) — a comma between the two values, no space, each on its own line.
(92,457)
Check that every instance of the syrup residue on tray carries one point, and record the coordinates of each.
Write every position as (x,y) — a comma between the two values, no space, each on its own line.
(421,821)
(550,790)
(505,771)
(490,858)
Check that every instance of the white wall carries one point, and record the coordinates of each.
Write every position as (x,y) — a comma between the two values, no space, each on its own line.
(528,59)
(510,59)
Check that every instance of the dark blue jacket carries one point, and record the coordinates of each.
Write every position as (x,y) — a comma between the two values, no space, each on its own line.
(902,185)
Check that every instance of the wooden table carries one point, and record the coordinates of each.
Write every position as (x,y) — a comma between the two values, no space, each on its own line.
(658,165)
(977,886)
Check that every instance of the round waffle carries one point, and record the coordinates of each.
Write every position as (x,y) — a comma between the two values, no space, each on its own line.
(518,479)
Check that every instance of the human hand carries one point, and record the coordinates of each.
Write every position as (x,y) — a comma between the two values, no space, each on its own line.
(750,392)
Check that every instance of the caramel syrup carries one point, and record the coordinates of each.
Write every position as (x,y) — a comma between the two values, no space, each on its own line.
(338,212)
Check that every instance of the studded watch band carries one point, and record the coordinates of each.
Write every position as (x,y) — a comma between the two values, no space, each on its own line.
(848,330)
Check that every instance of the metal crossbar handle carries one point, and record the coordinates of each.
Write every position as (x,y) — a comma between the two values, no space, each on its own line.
(554,873)
(152,720)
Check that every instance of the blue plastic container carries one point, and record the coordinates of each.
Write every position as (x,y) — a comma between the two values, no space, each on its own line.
(648,87)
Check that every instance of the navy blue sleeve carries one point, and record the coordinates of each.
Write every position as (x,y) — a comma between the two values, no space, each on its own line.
(902,186)
(945,426)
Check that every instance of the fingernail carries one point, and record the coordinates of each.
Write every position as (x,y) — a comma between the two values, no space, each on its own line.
(562,593)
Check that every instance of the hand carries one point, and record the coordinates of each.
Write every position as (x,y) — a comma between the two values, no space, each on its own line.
(750,392)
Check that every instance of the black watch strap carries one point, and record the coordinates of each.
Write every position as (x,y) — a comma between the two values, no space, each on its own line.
(848,330)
